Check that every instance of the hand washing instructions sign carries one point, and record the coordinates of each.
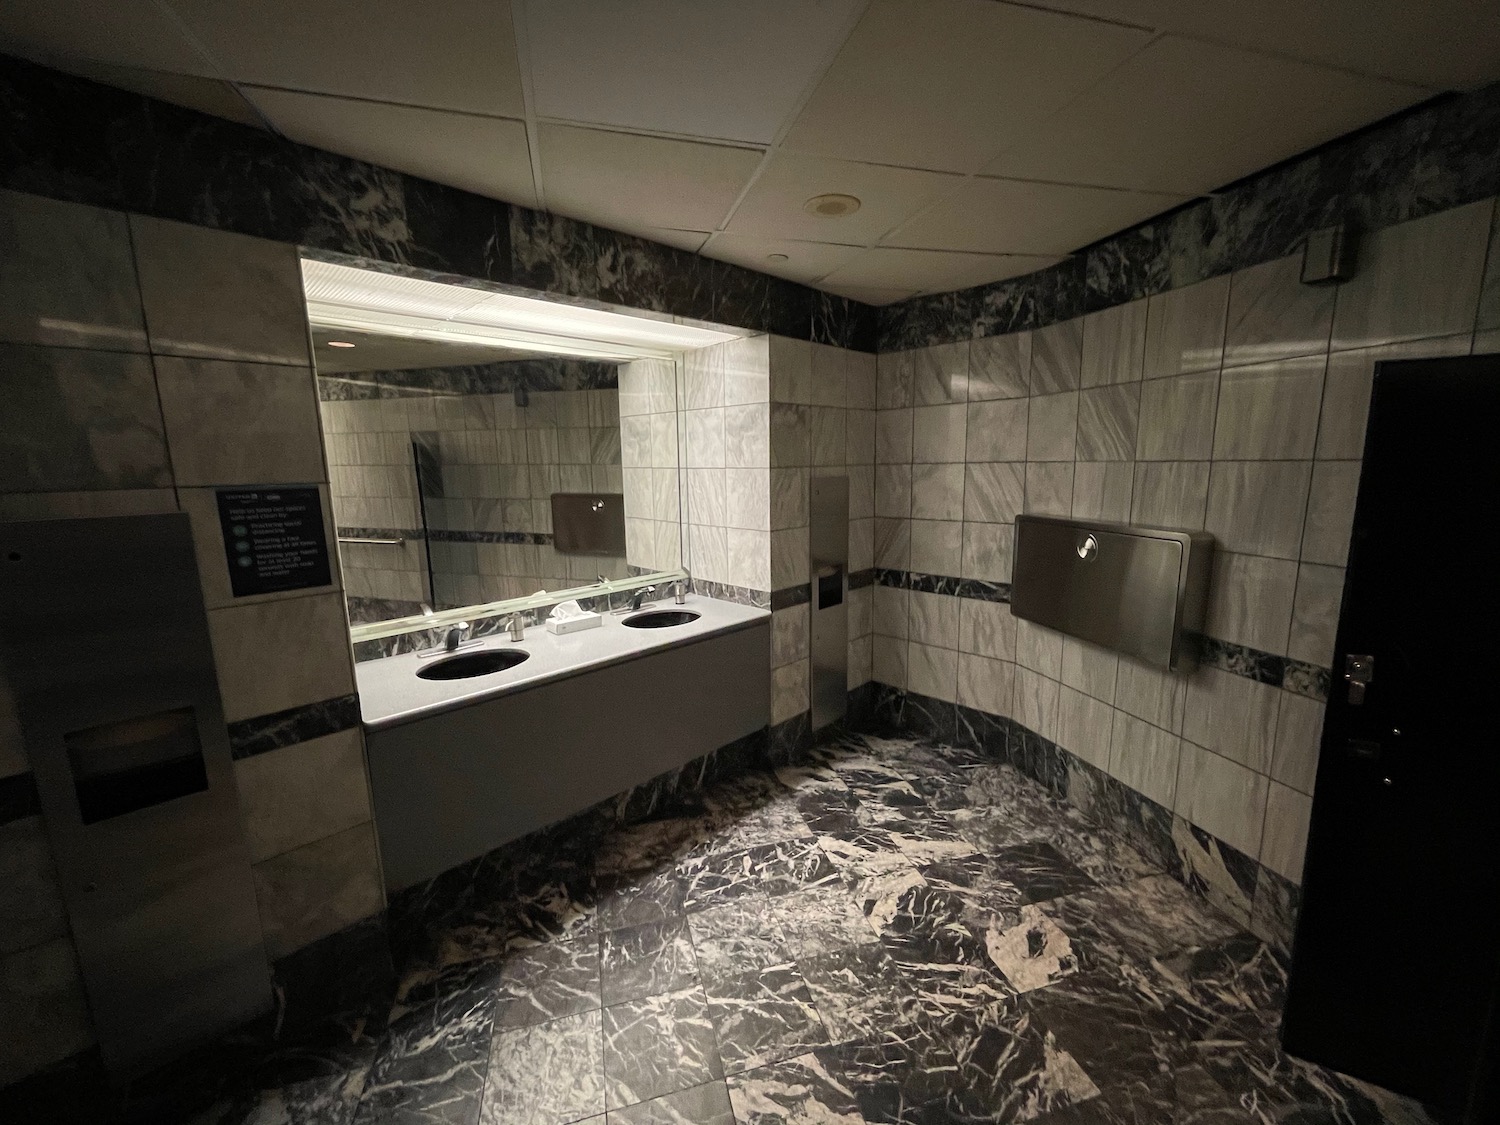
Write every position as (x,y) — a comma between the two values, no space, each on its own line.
(273,539)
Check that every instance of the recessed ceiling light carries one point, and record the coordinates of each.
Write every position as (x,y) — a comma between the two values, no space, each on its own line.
(340,344)
(776,257)
(832,206)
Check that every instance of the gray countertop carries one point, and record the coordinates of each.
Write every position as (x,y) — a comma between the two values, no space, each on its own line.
(391,694)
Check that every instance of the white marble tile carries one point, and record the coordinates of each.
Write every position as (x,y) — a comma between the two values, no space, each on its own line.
(1416,279)
(790,490)
(747,436)
(1272,315)
(301,793)
(1299,736)
(67,277)
(1315,615)
(999,366)
(748,558)
(1222,797)
(940,374)
(1036,702)
(791,435)
(789,685)
(791,370)
(861,491)
(937,547)
(861,544)
(938,433)
(1170,494)
(705,444)
(933,619)
(937,492)
(705,497)
(997,430)
(830,375)
(826,424)
(708,552)
(1185,328)
(1102,490)
(1330,512)
(46,1013)
(892,609)
(703,377)
(1052,428)
(932,672)
(1114,345)
(892,541)
(861,604)
(1089,668)
(1056,357)
(893,379)
(1269,411)
(861,662)
(86,505)
(213,294)
(1257,507)
(859,380)
(1346,394)
(1284,846)
(893,490)
(1250,601)
(1151,693)
(888,661)
(1108,419)
(1083,726)
(994,492)
(1232,715)
(1177,418)
(317,889)
(893,436)
(859,446)
(986,629)
(1039,648)
(985,684)
(789,633)
(1049,488)
(987,551)
(280,654)
(789,562)
(1145,757)
(747,373)
(747,498)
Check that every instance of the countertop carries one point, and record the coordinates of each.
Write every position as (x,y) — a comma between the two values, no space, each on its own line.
(390,692)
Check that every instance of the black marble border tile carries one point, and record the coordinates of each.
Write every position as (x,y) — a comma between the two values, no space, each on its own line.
(859,579)
(545,374)
(791,595)
(249,737)
(18,797)
(724,592)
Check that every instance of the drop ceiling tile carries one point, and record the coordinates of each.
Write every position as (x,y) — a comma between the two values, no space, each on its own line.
(726,71)
(1190,117)
(1441,43)
(123,32)
(804,261)
(774,205)
(945,85)
(459,54)
(207,95)
(1026,217)
(691,240)
(627,181)
(930,271)
(485,155)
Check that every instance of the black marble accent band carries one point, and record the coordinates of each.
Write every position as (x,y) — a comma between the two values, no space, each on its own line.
(1310,680)
(1241,660)
(249,737)
(382,533)
(974,588)
(859,579)
(724,592)
(791,595)
(18,797)
(448,535)
(552,373)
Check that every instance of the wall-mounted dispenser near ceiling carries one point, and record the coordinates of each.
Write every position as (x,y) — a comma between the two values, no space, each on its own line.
(104,641)
(1142,591)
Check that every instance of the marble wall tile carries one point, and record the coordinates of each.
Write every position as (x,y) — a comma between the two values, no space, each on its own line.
(317,889)
(789,560)
(747,370)
(940,374)
(1089,668)
(1049,488)
(938,492)
(893,436)
(704,442)
(46,1013)
(789,690)
(301,793)
(1415,279)
(859,380)
(1114,345)
(994,492)
(828,435)
(1346,395)
(859,443)
(705,497)
(1185,328)
(1150,693)
(893,543)
(1315,614)
(276,655)
(1083,726)
(1250,601)
(1039,649)
(861,603)
(986,629)
(933,619)
(1330,512)
(1272,315)
(893,379)
(936,546)
(1108,418)
(790,490)
(791,371)
(938,433)
(1102,490)
(1269,411)
(1283,847)
(86,505)
(888,661)
(747,498)
(213,294)
(988,550)
(1145,757)
(748,558)
(1222,797)
(985,684)
(703,377)
(747,435)
(1036,702)
(861,491)
(1056,357)
(67,277)
(861,663)
(1052,429)
(861,545)
(31,906)
(1299,736)
(1256,507)
(999,366)
(932,671)
(892,608)
(76,419)
(791,435)
(893,490)
(1233,716)
(996,431)
(1177,418)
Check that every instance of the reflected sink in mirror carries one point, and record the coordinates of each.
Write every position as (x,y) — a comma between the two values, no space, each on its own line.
(470,664)
(661,619)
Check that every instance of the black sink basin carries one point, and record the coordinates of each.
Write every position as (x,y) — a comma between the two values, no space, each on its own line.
(661,618)
(468,664)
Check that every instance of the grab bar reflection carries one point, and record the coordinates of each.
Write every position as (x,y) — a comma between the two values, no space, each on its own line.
(375,542)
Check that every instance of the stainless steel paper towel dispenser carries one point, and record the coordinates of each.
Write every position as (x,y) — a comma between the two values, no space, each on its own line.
(1142,591)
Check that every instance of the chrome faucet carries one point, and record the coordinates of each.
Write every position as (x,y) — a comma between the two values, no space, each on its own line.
(636,598)
(517,627)
(456,636)
(679,591)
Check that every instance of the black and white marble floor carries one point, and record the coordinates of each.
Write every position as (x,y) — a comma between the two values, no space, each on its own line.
(902,932)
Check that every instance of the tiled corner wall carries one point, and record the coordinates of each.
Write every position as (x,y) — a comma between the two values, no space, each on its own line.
(649,442)
(144,363)
(1236,405)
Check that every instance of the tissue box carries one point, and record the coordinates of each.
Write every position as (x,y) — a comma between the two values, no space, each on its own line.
(564,625)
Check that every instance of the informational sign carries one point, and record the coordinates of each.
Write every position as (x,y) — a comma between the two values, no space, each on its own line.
(274,539)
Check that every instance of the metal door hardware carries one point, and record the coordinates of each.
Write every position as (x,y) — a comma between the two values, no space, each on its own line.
(1359,671)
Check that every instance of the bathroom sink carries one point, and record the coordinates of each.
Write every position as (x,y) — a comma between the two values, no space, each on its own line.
(473,664)
(661,618)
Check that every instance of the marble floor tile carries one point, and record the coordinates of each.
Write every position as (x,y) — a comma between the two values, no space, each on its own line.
(737,936)
(550,1074)
(944,966)
(773,868)
(1029,948)
(1041,872)
(548,981)
(763,1017)
(857,991)
(431,1062)
(984,888)
(697,1105)
(821,919)
(634,900)
(799,1091)
(646,960)
(651,846)
(1153,916)
(658,1045)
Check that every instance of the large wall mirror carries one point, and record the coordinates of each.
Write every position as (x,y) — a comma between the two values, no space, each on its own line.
(491,453)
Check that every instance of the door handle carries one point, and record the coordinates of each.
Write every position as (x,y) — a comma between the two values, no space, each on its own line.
(1359,671)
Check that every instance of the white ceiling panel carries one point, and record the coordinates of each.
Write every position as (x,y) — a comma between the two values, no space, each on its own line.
(1189,117)
(457,54)
(775,204)
(1448,44)
(486,155)
(930,271)
(1025,217)
(690,240)
(796,261)
(716,70)
(124,32)
(626,180)
(945,85)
